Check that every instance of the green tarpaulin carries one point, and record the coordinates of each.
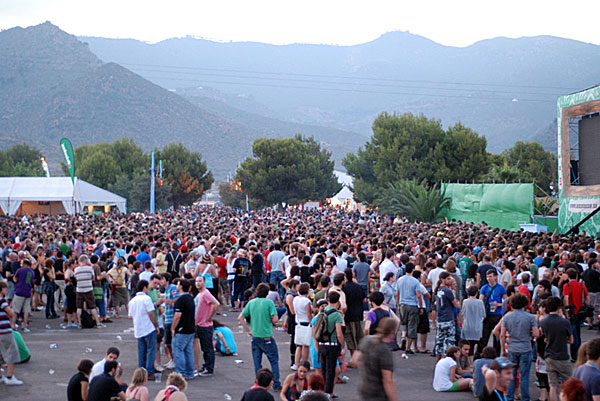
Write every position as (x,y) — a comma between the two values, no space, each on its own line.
(499,205)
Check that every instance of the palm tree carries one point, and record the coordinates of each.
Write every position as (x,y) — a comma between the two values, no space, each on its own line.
(417,201)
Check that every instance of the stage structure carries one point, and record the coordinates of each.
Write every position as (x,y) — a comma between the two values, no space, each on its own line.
(579,161)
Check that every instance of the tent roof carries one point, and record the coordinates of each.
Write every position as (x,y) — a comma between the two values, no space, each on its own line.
(54,189)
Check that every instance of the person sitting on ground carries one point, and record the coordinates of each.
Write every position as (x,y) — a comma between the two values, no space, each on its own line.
(136,390)
(295,383)
(174,391)
(224,340)
(112,354)
(260,390)
(487,356)
(78,387)
(444,377)
(105,387)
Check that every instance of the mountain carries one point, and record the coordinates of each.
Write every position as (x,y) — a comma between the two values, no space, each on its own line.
(53,86)
(505,89)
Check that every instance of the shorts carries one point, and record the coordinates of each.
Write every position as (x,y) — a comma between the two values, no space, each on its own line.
(224,284)
(168,335)
(21,304)
(160,336)
(423,326)
(354,333)
(86,298)
(595,302)
(445,336)
(8,349)
(410,320)
(454,387)
(556,368)
(120,297)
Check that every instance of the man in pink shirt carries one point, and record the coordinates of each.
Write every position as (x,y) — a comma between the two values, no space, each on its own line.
(207,307)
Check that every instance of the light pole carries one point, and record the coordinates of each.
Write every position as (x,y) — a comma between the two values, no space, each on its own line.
(152,209)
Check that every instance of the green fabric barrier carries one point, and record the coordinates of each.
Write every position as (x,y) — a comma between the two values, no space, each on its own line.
(500,205)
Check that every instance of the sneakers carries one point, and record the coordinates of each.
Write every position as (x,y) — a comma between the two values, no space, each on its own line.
(197,373)
(170,364)
(13,381)
(204,372)
(158,368)
(294,367)
(101,325)
(26,330)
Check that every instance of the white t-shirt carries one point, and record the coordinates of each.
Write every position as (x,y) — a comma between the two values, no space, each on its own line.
(97,369)
(434,276)
(341,263)
(145,275)
(441,376)
(529,284)
(139,307)
(541,271)
(384,268)
(300,308)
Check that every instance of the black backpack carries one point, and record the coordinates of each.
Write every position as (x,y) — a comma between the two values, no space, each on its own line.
(379,314)
(86,320)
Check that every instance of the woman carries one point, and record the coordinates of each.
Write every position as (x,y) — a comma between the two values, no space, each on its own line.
(389,291)
(70,294)
(572,390)
(48,288)
(224,339)
(292,292)
(207,269)
(303,333)
(444,376)
(296,383)
(174,391)
(118,274)
(77,390)
(136,390)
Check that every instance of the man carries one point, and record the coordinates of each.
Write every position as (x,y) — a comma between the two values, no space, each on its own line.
(174,259)
(341,262)
(574,294)
(591,278)
(260,390)
(22,300)
(411,305)
(445,333)
(362,272)
(143,256)
(492,295)
(263,316)
(257,266)
(497,376)
(507,278)
(353,317)
(147,273)
(112,354)
(141,311)
(84,298)
(387,266)
(241,267)
(153,287)
(275,257)
(557,331)
(483,270)
(464,263)
(487,356)
(338,281)
(104,387)
(434,274)
(521,326)
(190,266)
(331,350)
(588,373)
(208,306)
(183,329)
(377,365)
(9,352)
(171,294)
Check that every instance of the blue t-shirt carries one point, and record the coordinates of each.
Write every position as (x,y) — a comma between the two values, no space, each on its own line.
(229,339)
(478,377)
(590,376)
(407,290)
(497,293)
(538,261)
(143,257)
(445,309)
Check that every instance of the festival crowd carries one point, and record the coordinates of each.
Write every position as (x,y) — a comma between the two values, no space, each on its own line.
(349,289)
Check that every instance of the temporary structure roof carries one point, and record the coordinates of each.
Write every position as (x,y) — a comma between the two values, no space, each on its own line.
(74,197)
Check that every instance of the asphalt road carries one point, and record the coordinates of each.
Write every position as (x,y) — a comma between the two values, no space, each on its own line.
(47,373)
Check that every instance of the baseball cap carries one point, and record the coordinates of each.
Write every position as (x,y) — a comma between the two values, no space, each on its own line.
(501,363)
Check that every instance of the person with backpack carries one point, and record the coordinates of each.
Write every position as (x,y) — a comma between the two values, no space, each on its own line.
(329,339)
(174,260)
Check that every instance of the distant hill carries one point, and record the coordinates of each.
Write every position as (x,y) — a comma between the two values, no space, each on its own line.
(505,89)
(53,86)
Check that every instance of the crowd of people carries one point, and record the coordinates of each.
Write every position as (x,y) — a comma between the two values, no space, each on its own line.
(349,289)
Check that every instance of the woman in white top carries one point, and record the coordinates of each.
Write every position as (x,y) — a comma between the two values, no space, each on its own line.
(444,377)
(303,336)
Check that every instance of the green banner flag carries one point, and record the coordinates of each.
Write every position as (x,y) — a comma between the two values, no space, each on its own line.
(67,149)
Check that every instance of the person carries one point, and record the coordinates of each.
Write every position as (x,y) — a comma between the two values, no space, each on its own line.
(276,276)
(588,373)
(260,390)
(120,297)
(497,377)
(141,311)
(171,295)
(8,347)
(445,335)
(224,339)
(105,387)
(376,363)
(241,267)
(353,317)
(557,331)
(295,383)
(174,391)
(137,391)
(572,390)
(77,389)
(362,272)
(84,290)
(207,307)
(263,316)
(521,326)
(492,295)
(302,307)
(487,356)
(183,329)
(21,303)
(463,363)
(387,265)
(112,354)
(389,289)
(444,376)
(473,314)
(575,294)
(330,351)
(411,305)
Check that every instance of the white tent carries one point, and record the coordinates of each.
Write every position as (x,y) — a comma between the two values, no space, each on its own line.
(54,195)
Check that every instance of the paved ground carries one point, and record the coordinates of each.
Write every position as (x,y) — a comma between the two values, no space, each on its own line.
(47,374)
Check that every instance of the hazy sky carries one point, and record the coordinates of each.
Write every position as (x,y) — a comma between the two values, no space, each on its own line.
(344,22)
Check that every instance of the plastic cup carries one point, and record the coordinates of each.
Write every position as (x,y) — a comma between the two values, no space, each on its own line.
(157,377)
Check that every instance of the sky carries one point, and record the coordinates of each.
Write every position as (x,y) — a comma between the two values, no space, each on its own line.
(341,22)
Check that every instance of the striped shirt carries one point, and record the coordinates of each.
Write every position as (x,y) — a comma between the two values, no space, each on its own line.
(84,276)
(4,320)
(170,293)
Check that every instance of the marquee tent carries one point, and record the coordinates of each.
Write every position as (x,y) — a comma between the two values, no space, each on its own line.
(53,195)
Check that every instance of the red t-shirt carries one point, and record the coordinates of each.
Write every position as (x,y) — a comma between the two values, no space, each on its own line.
(575,299)
(222,263)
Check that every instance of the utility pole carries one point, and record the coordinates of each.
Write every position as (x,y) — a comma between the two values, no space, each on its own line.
(152,209)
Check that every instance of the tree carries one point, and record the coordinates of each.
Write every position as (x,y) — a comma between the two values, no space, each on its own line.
(506,174)
(20,160)
(234,198)
(407,147)
(418,202)
(185,172)
(99,168)
(290,170)
(137,192)
(535,162)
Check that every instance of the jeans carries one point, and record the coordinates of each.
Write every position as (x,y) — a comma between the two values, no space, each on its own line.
(276,278)
(183,352)
(522,361)
(576,330)
(268,347)
(205,335)
(328,355)
(365,288)
(256,280)
(239,286)
(49,291)
(147,352)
